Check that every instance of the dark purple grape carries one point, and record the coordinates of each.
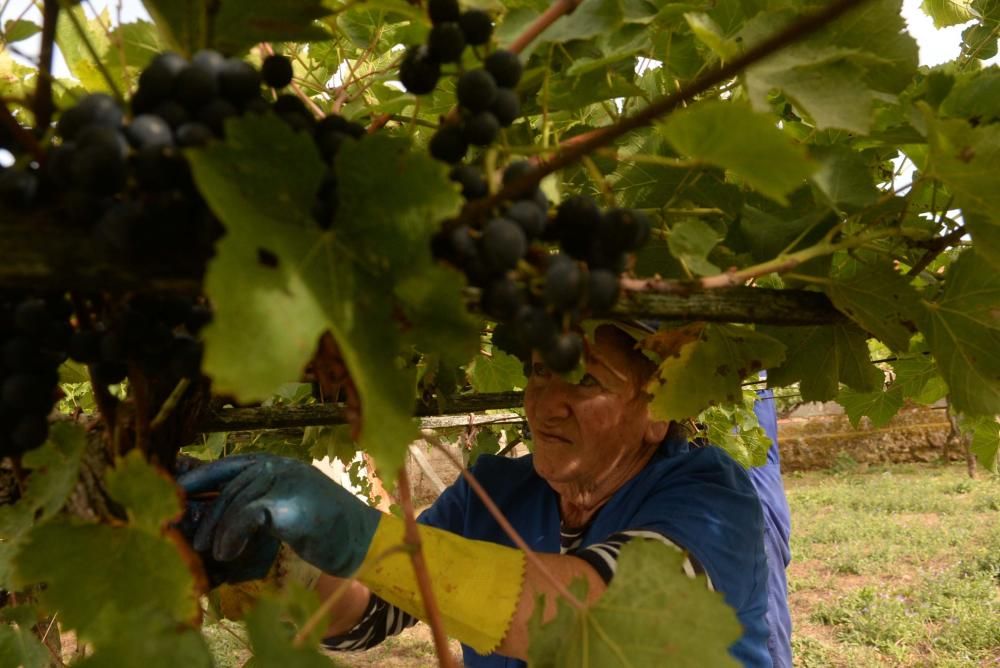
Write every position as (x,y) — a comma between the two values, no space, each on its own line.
(173,112)
(22,354)
(563,283)
(210,61)
(156,82)
(527,214)
(329,143)
(481,129)
(94,109)
(536,327)
(564,353)
(149,130)
(18,188)
(195,86)
(502,298)
(576,223)
(239,81)
(419,73)
(623,230)
(505,338)
(471,179)
(442,11)
(214,114)
(29,393)
(516,170)
(477,26)
(199,316)
(276,70)
(503,243)
(29,432)
(602,290)
(194,134)
(476,90)
(448,144)
(446,42)
(506,106)
(32,317)
(505,66)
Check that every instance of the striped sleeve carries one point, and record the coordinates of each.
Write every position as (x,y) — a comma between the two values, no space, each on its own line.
(379,621)
(603,556)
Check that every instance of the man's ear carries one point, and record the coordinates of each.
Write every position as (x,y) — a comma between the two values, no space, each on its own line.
(656,430)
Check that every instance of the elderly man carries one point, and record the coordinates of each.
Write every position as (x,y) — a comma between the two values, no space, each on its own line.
(602,472)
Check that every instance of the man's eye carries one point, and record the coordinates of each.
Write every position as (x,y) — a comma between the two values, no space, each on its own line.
(588,380)
(539,369)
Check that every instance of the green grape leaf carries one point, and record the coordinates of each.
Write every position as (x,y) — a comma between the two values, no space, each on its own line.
(962,329)
(19,647)
(278,281)
(182,24)
(843,177)
(96,573)
(73,47)
(974,96)
(918,379)
(590,19)
(737,430)
(271,636)
(986,235)
(965,159)
(240,25)
(878,299)
(835,77)
(148,495)
(732,136)
(691,241)
(498,373)
(980,41)
(710,34)
(332,441)
(820,358)
(153,640)
(947,12)
(718,356)
(55,467)
(487,443)
(985,441)
(878,406)
(638,621)
(15,30)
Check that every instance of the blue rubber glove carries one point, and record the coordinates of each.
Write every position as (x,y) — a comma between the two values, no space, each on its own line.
(264,495)
(253,564)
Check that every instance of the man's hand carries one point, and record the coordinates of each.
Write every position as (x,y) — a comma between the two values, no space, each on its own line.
(263,496)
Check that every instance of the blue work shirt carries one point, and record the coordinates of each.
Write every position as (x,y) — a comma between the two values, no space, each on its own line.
(777,530)
(699,498)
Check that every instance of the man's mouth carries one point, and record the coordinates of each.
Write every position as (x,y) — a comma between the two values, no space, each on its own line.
(549,436)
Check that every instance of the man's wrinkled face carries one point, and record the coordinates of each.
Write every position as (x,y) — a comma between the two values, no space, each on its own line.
(584,431)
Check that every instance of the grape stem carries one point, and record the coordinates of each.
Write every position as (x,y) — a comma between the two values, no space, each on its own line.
(412,540)
(935,248)
(43,89)
(660,107)
(733,277)
(497,515)
(313,107)
(557,9)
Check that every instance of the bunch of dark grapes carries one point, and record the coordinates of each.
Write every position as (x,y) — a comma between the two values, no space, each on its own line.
(486,97)
(124,176)
(538,297)
(156,334)
(34,335)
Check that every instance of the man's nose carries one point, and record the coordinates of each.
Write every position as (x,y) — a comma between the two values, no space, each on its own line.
(553,399)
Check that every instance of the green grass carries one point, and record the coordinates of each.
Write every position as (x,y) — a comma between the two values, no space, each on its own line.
(898,566)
